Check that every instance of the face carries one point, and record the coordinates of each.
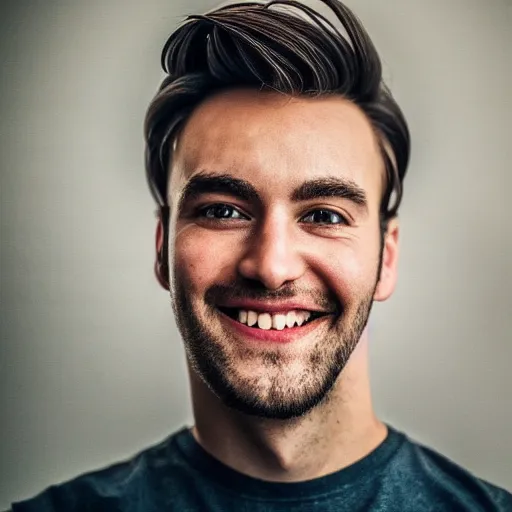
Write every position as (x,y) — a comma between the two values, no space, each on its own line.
(274,245)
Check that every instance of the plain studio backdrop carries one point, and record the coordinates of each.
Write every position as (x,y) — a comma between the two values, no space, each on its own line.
(92,367)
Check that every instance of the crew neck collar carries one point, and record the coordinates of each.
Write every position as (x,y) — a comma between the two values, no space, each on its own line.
(231,480)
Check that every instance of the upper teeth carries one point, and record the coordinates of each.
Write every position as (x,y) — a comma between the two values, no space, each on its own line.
(273,321)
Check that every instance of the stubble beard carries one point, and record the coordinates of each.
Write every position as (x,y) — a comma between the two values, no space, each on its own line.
(277,395)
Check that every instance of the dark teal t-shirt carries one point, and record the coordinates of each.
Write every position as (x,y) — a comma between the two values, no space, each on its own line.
(178,475)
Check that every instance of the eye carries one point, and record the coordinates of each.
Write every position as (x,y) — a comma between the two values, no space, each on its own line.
(324,217)
(220,211)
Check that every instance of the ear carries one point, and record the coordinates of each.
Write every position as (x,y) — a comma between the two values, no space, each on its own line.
(389,269)
(161,263)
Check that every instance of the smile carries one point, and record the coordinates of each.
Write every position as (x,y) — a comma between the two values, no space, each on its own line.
(269,327)
(286,320)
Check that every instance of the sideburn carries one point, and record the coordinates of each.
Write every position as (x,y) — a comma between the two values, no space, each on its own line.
(163,254)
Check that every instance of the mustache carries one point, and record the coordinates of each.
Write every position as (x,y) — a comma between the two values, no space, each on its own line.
(255,291)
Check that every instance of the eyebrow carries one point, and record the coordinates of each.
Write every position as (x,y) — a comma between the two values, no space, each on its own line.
(342,188)
(208,183)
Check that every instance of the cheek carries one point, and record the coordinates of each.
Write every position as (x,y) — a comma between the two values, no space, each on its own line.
(202,259)
(348,267)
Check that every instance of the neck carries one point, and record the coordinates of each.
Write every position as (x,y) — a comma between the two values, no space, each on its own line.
(333,435)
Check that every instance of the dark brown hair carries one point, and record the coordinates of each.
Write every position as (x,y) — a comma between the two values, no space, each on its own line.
(256,45)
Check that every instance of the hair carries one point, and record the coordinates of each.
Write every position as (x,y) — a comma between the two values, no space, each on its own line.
(293,50)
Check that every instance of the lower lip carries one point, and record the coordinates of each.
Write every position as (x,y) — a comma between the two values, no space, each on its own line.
(287,335)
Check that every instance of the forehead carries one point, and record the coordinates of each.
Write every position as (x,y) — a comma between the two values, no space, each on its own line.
(272,139)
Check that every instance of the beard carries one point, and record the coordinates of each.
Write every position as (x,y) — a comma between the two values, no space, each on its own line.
(273,383)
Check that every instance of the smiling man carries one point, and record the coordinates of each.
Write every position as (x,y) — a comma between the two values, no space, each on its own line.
(276,259)
(277,155)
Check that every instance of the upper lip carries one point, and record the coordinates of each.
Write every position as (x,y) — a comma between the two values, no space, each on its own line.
(271,307)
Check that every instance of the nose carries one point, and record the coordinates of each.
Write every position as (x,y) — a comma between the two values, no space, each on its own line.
(273,255)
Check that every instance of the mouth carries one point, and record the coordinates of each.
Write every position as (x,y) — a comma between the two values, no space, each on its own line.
(276,327)
(268,321)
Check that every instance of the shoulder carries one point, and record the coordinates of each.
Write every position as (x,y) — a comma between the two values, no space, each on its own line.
(434,476)
(109,488)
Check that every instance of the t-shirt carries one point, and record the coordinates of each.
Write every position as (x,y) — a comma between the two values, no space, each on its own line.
(179,475)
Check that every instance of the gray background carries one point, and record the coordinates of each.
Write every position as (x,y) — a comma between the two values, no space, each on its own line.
(92,369)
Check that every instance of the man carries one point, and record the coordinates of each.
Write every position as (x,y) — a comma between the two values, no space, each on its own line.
(277,156)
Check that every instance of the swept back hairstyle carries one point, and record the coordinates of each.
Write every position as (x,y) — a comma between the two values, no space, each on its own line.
(281,45)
